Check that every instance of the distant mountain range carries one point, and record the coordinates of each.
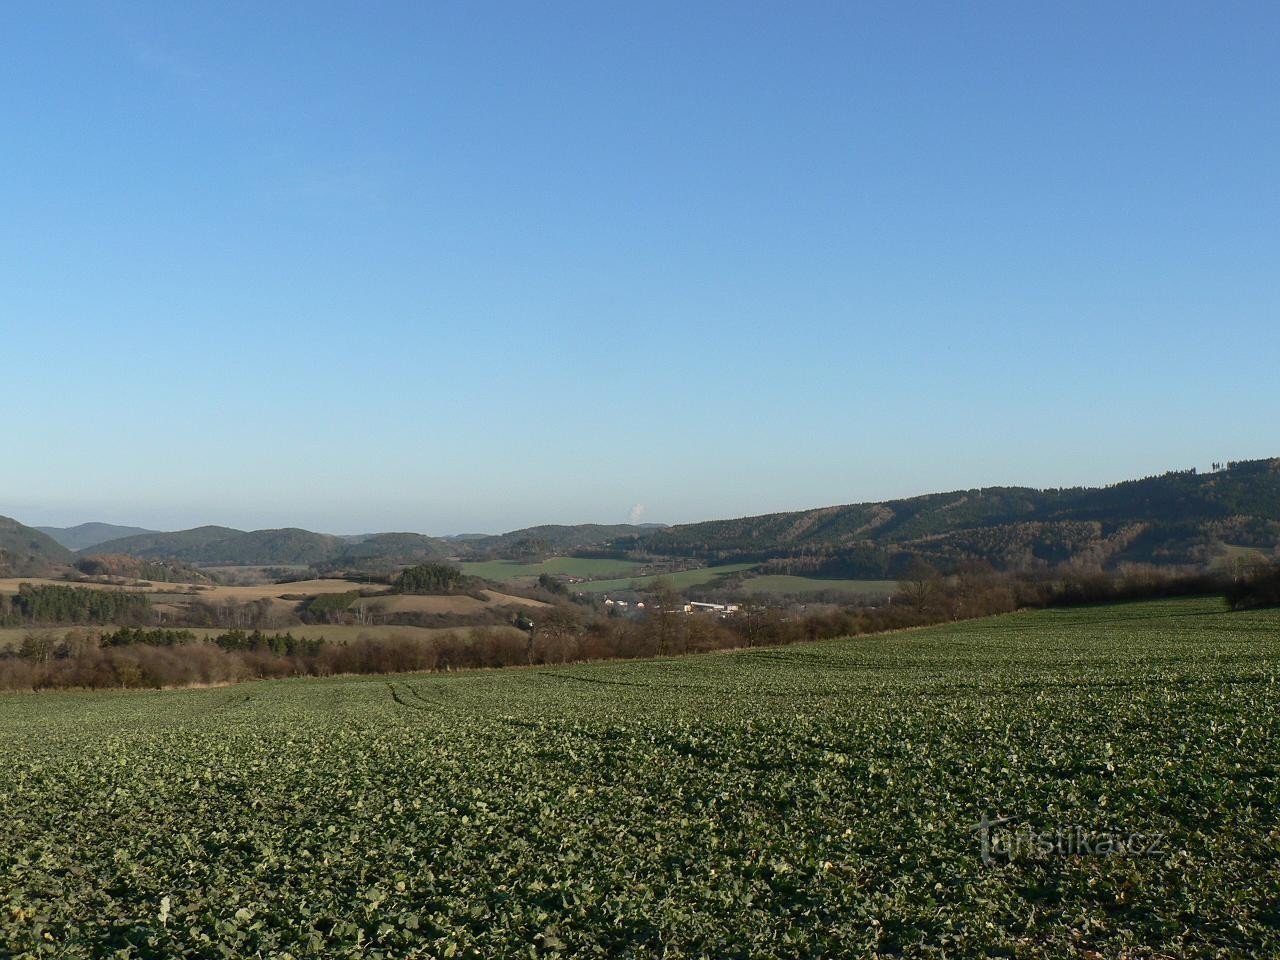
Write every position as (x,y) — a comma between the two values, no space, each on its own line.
(1181,517)
(90,534)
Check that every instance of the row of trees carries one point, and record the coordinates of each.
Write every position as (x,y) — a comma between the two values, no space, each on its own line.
(165,658)
(46,648)
(1259,587)
(54,604)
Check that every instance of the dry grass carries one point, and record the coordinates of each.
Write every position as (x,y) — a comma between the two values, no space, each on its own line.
(203,591)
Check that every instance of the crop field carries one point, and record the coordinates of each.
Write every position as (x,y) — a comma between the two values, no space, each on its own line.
(680,580)
(807,801)
(782,585)
(504,571)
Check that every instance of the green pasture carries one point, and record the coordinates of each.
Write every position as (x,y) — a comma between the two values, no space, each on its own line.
(679,580)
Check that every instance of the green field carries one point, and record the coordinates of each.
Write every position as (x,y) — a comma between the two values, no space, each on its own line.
(680,580)
(805,801)
(504,571)
(781,585)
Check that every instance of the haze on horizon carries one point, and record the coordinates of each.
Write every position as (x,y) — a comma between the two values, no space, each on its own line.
(472,267)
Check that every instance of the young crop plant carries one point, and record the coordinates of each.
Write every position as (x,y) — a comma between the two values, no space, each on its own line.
(817,800)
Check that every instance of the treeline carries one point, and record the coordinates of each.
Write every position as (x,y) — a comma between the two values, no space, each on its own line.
(44,647)
(153,659)
(51,604)
(977,590)
(281,644)
(162,658)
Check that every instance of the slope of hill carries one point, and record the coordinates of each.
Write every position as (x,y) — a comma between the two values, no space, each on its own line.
(1178,517)
(26,551)
(1181,517)
(86,535)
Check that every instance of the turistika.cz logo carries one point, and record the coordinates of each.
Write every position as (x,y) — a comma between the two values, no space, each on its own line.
(1006,839)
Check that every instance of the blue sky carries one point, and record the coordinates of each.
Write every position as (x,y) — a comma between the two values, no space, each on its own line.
(452,267)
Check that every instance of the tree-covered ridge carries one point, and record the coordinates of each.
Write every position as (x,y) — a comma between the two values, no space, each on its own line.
(224,545)
(177,545)
(1176,517)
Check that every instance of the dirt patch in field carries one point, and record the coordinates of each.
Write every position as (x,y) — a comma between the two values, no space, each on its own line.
(458,604)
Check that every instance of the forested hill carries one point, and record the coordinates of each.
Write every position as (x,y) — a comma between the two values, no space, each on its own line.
(225,545)
(371,551)
(285,546)
(1178,517)
(26,552)
(189,545)
(381,552)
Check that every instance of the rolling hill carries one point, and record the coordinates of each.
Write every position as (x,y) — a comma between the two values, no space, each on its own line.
(26,551)
(177,545)
(225,545)
(1180,517)
(86,535)
(382,552)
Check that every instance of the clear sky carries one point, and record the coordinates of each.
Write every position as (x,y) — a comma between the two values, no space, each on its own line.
(466,266)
